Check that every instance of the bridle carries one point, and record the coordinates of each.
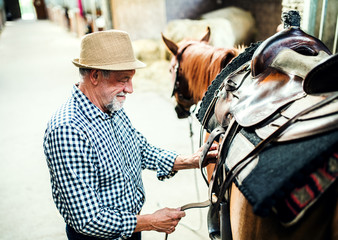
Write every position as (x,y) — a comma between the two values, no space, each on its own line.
(177,70)
(183,101)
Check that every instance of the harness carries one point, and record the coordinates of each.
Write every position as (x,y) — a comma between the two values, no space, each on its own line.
(219,187)
(184,101)
(177,70)
(248,110)
(297,105)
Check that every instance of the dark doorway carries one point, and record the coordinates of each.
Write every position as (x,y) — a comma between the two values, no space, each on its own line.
(12,9)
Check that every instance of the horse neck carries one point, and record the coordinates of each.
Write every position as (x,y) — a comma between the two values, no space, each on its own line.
(201,64)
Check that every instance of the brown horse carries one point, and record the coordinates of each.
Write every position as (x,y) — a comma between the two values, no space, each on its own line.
(275,179)
(193,67)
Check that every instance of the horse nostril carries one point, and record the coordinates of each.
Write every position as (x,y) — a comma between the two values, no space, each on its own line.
(182,116)
(181,112)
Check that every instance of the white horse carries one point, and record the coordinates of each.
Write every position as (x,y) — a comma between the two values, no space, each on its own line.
(230,27)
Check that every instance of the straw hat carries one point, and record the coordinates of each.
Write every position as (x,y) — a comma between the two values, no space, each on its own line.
(107,50)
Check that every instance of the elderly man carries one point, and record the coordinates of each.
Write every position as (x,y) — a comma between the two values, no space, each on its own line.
(95,155)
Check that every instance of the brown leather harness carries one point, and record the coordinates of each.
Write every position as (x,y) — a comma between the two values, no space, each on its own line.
(219,187)
(183,101)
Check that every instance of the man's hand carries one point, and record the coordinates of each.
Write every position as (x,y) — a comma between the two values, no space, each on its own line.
(192,161)
(166,219)
(163,220)
(211,155)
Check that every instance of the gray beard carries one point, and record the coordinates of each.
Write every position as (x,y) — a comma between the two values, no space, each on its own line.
(114,105)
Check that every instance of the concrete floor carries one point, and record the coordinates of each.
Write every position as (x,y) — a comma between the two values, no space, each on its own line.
(36,76)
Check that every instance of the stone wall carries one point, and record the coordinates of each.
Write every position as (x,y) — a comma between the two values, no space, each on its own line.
(140,18)
(267,14)
(192,9)
(311,10)
(297,5)
(146,18)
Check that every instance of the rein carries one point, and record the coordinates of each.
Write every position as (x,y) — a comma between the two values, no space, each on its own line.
(191,206)
(196,204)
(177,77)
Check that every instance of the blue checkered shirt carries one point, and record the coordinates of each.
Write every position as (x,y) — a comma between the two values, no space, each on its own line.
(95,161)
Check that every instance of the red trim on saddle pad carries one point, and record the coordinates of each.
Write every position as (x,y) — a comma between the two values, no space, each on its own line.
(301,198)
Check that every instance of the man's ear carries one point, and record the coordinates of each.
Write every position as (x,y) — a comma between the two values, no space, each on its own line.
(94,76)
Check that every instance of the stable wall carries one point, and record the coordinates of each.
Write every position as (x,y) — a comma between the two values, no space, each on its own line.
(192,9)
(311,12)
(140,18)
(267,14)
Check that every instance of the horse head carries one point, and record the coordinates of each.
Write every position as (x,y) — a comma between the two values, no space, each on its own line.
(183,95)
(193,66)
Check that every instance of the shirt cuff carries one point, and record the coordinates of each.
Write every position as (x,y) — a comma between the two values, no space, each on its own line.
(166,165)
(128,225)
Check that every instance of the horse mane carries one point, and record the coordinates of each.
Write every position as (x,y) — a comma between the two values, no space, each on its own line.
(201,63)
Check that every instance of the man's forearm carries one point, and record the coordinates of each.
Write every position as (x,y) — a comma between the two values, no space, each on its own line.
(186,162)
(193,161)
(143,223)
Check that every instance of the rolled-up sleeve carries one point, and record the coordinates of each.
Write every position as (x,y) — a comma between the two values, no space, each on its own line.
(157,159)
(71,161)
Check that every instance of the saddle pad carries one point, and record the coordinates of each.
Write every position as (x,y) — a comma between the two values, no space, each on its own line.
(292,207)
(282,167)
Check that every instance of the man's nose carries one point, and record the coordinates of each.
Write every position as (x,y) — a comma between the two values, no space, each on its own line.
(128,88)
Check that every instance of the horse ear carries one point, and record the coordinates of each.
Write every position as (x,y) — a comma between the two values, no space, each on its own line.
(206,37)
(230,54)
(172,47)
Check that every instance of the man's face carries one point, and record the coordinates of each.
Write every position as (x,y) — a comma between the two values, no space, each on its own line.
(115,88)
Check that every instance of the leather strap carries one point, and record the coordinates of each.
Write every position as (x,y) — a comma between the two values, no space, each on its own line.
(214,134)
(211,105)
(193,205)
(226,230)
(177,70)
(226,183)
(204,204)
(254,153)
(212,137)
(223,151)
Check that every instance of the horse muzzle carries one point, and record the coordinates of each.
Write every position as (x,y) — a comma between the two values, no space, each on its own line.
(181,112)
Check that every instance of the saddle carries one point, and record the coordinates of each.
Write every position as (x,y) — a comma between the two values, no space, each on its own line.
(279,87)
(323,77)
(278,68)
(253,95)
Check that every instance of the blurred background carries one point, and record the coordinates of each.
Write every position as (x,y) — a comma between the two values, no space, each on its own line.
(145,19)
(38,40)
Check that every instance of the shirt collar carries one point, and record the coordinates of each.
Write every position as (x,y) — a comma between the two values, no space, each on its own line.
(87,107)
